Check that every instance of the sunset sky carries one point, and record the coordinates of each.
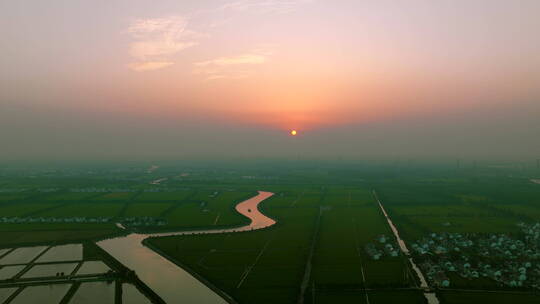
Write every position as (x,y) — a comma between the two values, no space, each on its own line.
(176,78)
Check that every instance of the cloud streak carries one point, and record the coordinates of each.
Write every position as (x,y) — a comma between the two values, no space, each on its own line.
(231,67)
(149,65)
(265,6)
(235,60)
(157,40)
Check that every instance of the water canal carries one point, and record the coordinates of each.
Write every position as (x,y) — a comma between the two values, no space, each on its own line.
(172,283)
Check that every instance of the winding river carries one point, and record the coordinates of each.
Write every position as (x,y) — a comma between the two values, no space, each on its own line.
(172,283)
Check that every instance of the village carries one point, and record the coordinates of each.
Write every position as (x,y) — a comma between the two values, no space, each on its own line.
(509,260)
(383,247)
(137,221)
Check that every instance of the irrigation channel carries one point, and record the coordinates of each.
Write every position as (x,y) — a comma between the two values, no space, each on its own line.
(430,296)
(172,283)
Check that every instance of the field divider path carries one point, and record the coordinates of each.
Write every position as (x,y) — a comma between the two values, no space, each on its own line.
(70,293)
(178,203)
(127,204)
(358,250)
(248,270)
(307,272)
(293,204)
(30,264)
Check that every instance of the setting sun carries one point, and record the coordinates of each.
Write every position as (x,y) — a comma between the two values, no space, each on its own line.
(193,101)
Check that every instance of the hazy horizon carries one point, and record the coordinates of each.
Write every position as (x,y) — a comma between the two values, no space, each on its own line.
(230,79)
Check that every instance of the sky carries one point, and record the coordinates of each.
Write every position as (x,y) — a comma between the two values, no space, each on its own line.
(230,78)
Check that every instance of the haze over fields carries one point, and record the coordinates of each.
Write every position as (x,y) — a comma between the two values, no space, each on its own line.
(169,79)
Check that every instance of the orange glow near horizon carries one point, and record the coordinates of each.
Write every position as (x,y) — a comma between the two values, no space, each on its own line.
(293,132)
(175,68)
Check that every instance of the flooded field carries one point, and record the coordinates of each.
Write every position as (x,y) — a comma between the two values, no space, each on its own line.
(94,292)
(93,267)
(49,277)
(5,293)
(46,294)
(8,272)
(49,270)
(22,255)
(69,252)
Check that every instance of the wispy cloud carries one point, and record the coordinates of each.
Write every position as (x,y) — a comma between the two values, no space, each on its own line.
(156,40)
(149,65)
(265,6)
(235,60)
(233,67)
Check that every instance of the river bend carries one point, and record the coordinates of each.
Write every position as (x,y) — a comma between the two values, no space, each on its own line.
(172,283)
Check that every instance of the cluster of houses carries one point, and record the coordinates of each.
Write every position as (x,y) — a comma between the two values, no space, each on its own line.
(98,190)
(127,221)
(47,190)
(104,190)
(165,189)
(13,190)
(19,190)
(158,181)
(510,260)
(152,169)
(139,221)
(45,220)
(382,246)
